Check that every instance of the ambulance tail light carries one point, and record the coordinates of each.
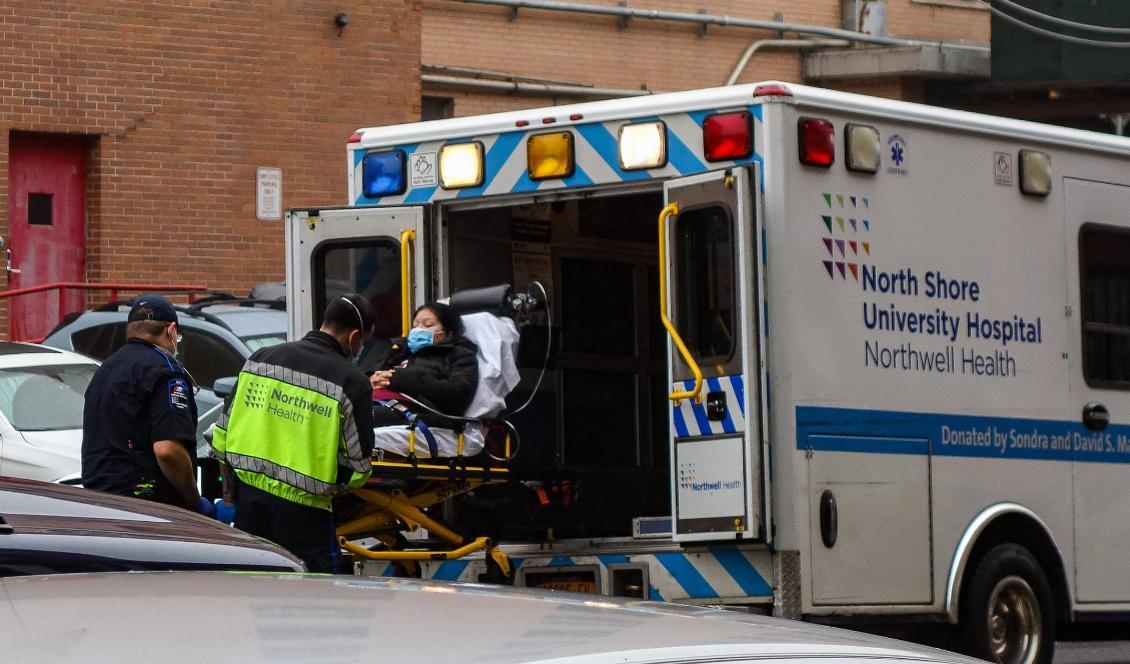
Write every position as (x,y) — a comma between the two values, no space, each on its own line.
(383,174)
(461,165)
(1035,173)
(550,156)
(643,145)
(727,136)
(861,148)
(816,139)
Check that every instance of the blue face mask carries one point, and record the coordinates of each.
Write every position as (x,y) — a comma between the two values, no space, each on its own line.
(419,338)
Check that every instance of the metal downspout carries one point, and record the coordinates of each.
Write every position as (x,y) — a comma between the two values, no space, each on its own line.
(780,43)
(714,19)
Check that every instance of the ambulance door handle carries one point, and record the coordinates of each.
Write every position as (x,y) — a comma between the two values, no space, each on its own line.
(1095,416)
(829,519)
(695,392)
(407,241)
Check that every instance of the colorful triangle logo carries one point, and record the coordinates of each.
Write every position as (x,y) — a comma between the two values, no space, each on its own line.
(842,267)
(828,267)
(828,244)
(827,222)
(853,226)
(854,247)
(840,199)
(865,203)
(840,221)
(854,270)
(840,246)
(853,201)
(828,200)
(867,248)
(867,224)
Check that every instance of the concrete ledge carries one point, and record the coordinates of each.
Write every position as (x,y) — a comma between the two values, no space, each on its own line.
(925,61)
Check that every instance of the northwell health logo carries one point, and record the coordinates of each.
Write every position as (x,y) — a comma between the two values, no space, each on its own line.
(847,221)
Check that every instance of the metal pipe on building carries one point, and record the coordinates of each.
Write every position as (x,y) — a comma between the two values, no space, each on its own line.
(528,88)
(715,19)
(780,43)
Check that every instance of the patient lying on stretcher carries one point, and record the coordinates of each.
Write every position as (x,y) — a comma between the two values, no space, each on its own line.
(457,365)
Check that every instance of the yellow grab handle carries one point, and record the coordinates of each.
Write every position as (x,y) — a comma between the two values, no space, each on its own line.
(407,238)
(695,393)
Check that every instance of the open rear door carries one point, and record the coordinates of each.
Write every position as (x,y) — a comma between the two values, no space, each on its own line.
(710,300)
(371,251)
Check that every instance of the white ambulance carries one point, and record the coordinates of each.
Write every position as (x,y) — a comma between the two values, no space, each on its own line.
(814,353)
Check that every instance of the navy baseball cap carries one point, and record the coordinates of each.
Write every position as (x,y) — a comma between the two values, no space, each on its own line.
(153,307)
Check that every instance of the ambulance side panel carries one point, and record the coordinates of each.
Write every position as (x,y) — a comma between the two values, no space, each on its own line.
(905,404)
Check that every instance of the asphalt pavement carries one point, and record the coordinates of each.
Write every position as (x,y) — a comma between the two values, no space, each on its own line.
(1092,652)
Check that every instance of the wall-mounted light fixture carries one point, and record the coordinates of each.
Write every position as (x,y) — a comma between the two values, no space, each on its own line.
(341,19)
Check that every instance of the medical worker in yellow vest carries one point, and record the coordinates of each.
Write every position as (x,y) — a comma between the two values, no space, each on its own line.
(298,430)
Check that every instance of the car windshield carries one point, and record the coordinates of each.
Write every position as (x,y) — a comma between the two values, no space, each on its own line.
(44,398)
(263,340)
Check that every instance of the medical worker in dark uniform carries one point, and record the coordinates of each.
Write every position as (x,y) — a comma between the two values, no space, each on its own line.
(139,421)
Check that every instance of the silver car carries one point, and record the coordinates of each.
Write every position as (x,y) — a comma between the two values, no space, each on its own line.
(214,617)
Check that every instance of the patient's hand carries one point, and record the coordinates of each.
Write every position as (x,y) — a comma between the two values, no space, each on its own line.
(380,379)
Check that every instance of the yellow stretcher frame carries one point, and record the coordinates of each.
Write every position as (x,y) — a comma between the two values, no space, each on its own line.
(387,513)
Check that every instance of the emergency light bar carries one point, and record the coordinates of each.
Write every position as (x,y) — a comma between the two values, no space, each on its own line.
(383,174)
(643,145)
(461,165)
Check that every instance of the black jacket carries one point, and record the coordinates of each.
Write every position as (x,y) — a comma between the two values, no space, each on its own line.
(443,376)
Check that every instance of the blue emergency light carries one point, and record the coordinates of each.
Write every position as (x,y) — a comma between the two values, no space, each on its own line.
(383,174)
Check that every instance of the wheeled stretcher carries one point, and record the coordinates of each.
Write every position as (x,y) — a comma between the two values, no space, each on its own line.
(408,478)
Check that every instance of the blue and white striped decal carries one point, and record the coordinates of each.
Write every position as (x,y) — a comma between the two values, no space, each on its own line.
(690,419)
(597,159)
(717,573)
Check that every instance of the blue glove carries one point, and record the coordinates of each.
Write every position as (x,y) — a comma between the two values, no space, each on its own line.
(206,507)
(224,513)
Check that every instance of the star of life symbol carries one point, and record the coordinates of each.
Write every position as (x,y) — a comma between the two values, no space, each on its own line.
(897,154)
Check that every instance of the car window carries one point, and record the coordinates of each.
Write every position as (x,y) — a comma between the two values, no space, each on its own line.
(263,341)
(208,357)
(99,341)
(25,391)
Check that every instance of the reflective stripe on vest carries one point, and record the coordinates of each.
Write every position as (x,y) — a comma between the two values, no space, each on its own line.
(291,427)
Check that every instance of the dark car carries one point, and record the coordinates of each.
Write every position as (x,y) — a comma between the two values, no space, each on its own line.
(53,529)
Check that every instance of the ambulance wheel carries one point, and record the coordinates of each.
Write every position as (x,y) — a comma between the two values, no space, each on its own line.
(1007,610)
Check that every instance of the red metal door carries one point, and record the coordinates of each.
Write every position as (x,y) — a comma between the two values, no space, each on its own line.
(47,234)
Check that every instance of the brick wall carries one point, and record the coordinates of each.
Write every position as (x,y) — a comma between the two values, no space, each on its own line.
(658,55)
(183,99)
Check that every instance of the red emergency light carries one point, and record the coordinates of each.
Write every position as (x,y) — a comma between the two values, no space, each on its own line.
(727,136)
(816,140)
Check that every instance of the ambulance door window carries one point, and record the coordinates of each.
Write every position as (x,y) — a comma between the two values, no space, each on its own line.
(370,267)
(1105,283)
(705,273)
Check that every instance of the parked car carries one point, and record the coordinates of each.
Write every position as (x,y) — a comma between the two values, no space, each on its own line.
(51,529)
(219,334)
(41,399)
(270,618)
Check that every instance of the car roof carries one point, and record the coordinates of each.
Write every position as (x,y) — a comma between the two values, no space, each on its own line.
(300,618)
(239,317)
(15,354)
(58,518)
(246,321)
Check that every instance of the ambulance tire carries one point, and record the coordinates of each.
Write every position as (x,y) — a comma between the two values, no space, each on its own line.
(1007,610)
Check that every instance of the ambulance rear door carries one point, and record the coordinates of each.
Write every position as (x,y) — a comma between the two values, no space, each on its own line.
(708,240)
(371,251)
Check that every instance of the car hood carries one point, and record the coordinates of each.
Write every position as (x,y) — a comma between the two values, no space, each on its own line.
(302,618)
(66,442)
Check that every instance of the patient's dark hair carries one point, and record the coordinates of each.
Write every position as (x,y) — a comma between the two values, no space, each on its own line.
(451,321)
(341,316)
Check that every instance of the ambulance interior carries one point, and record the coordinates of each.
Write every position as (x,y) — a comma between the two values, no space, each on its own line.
(594,439)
